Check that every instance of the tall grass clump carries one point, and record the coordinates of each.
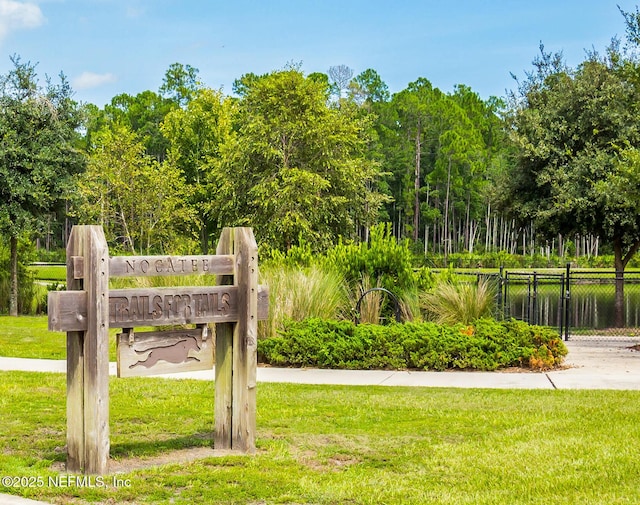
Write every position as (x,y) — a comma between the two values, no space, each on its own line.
(297,293)
(452,302)
(370,308)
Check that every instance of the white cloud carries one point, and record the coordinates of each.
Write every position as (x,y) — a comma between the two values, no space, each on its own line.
(18,15)
(88,80)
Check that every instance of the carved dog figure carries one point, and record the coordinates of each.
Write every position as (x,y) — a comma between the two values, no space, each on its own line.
(174,353)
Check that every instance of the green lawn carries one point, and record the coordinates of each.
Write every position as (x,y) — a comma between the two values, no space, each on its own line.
(28,337)
(50,272)
(338,444)
(324,444)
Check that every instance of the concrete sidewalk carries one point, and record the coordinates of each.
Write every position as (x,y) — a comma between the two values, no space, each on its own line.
(591,364)
(9,499)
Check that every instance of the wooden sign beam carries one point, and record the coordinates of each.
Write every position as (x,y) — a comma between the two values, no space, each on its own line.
(129,308)
(139,266)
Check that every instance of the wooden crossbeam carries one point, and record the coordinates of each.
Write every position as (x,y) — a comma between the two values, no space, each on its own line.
(129,308)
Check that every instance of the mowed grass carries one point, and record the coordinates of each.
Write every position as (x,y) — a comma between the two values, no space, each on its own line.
(338,444)
(29,337)
(49,272)
(323,444)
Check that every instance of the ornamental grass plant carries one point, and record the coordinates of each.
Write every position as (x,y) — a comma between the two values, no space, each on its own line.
(452,302)
(370,308)
(298,293)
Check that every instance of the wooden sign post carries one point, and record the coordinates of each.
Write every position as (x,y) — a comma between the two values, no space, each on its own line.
(88,309)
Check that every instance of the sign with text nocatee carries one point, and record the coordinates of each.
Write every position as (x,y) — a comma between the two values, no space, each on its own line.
(203,327)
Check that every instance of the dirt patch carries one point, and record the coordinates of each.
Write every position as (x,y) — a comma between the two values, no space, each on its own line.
(181,456)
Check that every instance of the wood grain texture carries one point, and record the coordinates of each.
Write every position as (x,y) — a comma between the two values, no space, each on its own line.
(88,354)
(223,401)
(139,266)
(158,352)
(153,307)
(245,343)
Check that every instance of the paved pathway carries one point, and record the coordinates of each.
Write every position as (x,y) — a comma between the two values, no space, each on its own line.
(591,364)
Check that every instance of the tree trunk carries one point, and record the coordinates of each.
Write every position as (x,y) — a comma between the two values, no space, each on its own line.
(446,214)
(13,297)
(204,238)
(467,224)
(416,186)
(620,263)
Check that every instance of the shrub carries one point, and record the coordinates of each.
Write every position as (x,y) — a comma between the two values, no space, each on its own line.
(386,262)
(382,258)
(485,345)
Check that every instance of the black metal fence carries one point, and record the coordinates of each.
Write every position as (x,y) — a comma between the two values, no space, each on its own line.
(593,304)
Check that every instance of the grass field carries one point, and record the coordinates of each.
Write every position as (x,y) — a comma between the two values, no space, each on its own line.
(49,272)
(321,444)
(338,444)
(29,337)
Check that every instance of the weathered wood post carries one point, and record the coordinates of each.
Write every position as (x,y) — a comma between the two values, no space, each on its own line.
(88,353)
(245,343)
(87,309)
(222,436)
(236,349)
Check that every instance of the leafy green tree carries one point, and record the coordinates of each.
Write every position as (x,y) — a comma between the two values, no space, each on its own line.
(196,134)
(180,83)
(416,108)
(143,114)
(369,88)
(570,126)
(38,157)
(458,167)
(140,203)
(297,166)
(439,151)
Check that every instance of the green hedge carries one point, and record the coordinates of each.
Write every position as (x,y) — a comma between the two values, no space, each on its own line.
(486,345)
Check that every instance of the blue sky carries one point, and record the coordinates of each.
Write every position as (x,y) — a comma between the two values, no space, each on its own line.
(108,47)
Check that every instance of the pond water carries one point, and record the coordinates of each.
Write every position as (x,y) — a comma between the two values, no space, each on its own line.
(591,306)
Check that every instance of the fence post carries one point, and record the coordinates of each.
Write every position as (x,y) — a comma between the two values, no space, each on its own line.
(88,354)
(500,287)
(567,301)
(534,316)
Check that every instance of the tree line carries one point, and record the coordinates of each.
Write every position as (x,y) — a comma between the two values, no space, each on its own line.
(323,157)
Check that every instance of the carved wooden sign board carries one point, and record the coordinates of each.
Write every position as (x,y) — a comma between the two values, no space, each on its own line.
(89,308)
(157,352)
(136,307)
